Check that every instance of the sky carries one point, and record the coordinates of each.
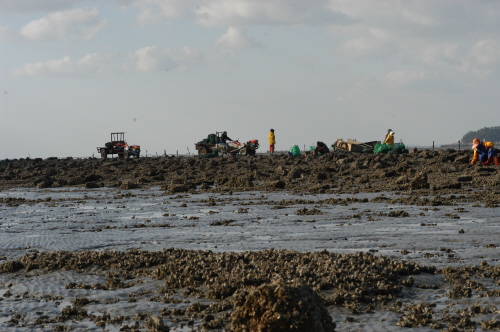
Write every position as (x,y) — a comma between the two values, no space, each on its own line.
(170,72)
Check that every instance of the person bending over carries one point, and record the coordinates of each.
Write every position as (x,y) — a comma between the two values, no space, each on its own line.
(321,148)
(483,152)
(389,138)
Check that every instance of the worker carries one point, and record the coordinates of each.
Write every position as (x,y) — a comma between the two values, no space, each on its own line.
(272,141)
(389,138)
(483,152)
(321,148)
(224,138)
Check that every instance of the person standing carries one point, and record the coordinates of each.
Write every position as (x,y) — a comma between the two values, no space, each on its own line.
(389,138)
(272,141)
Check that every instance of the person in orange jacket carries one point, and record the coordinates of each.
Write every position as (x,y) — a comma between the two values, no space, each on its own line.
(483,152)
(272,141)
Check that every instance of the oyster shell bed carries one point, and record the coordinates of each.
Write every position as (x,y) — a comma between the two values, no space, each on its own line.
(439,171)
(189,251)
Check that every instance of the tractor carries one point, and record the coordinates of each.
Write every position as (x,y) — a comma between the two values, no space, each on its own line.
(119,146)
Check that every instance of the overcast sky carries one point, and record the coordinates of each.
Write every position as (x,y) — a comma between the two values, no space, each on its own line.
(170,72)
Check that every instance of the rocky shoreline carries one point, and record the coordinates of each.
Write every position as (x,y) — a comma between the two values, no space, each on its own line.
(268,290)
(443,171)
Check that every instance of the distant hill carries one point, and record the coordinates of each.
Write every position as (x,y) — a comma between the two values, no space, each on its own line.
(491,134)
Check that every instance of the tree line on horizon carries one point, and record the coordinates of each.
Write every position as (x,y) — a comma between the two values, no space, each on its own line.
(491,134)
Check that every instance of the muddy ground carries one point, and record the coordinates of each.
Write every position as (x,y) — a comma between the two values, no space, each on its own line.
(268,290)
(439,172)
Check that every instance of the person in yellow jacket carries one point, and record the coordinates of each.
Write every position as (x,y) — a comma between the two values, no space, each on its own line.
(389,138)
(483,152)
(272,141)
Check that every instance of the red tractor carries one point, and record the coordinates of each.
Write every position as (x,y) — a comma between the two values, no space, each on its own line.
(119,146)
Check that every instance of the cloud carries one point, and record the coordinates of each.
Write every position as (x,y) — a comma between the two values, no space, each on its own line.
(262,12)
(442,55)
(486,52)
(154,59)
(216,13)
(372,42)
(151,11)
(64,25)
(145,60)
(237,38)
(31,6)
(90,64)
(403,77)
(150,58)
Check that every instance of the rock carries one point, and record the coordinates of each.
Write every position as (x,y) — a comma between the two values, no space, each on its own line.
(279,184)
(44,184)
(129,185)
(178,188)
(92,178)
(466,178)
(280,307)
(155,324)
(240,181)
(420,182)
(398,214)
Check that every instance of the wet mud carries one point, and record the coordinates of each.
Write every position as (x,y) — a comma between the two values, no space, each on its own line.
(272,289)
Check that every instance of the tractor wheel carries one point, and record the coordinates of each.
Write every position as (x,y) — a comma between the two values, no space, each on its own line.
(251,152)
(202,150)
(223,150)
(243,151)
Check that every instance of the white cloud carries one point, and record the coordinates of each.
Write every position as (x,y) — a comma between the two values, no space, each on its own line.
(59,66)
(373,42)
(442,55)
(154,59)
(238,12)
(486,52)
(237,38)
(151,11)
(69,24)
(261,12)
(89,64)
(150,58)
(395,13)
(30,6)
(146,59)
(403,77)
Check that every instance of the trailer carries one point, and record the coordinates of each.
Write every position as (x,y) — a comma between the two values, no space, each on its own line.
(353,145)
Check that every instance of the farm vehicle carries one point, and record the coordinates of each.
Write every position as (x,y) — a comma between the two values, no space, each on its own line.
(120,147)
(212,142)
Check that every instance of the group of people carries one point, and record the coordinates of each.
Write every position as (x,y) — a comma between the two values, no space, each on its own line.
(484,152)
(321,147)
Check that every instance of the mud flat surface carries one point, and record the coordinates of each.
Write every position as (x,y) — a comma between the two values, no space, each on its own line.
(341,242)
